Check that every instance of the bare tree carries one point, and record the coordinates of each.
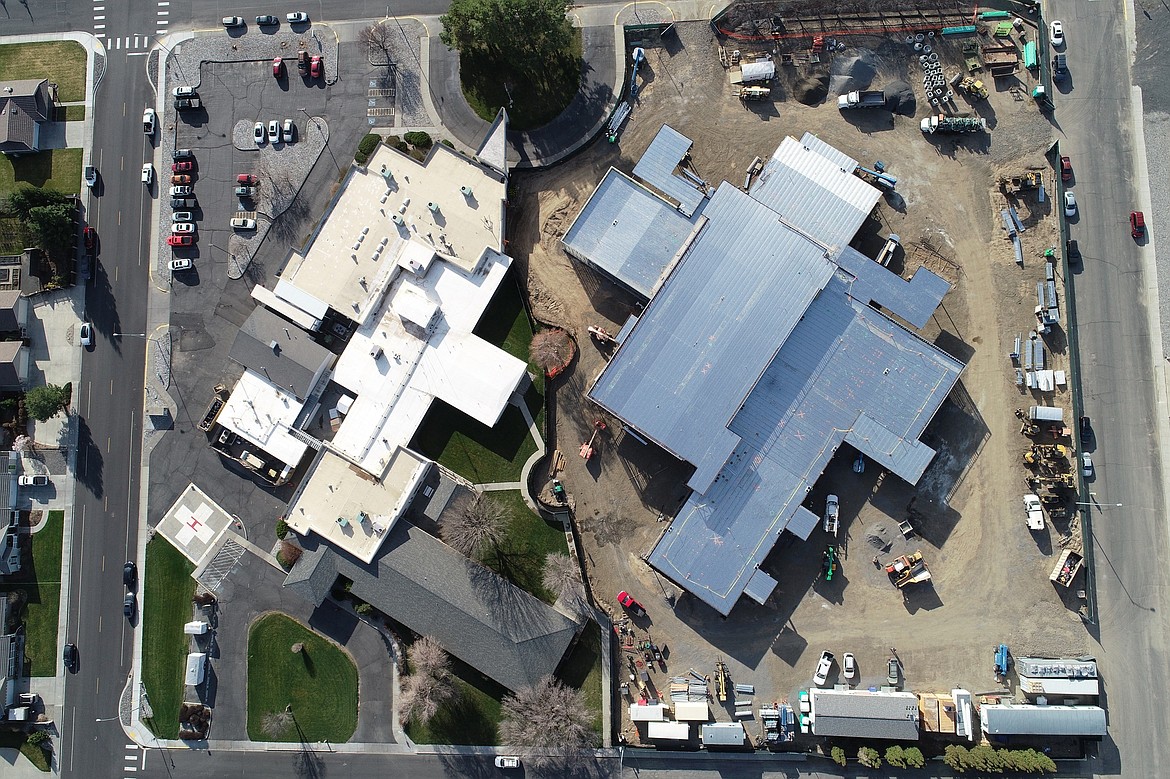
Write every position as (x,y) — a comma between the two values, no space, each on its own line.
(378,38)
(430,685)
(562,577)
(24,445)
(547,717)
(276,723)
(552,350)
(480,522)
(427,657)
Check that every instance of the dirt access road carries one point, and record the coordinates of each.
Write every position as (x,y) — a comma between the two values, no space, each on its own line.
(990,573)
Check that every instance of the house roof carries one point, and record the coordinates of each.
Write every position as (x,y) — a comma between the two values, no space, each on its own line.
(475,614)
(22,105)
(9,370)
(9,300)
(279,350)
(865,714)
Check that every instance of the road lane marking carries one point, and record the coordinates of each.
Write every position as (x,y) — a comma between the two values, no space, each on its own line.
(107,444)
(99,623)
(115,273)
(119,219)
(111,386)
(72,730)
(88,395)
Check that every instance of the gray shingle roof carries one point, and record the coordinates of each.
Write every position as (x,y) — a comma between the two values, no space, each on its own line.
(864,714)
(476,615)
(22,105)
(280,351)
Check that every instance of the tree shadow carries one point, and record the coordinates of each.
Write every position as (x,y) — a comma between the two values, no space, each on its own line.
(90,460)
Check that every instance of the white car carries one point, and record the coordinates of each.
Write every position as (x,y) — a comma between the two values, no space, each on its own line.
(182,216)
(824,665)
(86,334)
(181,264)
(1056,33)
(184,92)
(241,223)
(181,191)
(296,17)
(1070,204)
(507,761)
(90,176)
(849,666)
(148,173)
(183,227)
(258,133)
(286,132)
(273,131)
(148,121)
(1087,464)
(35,480)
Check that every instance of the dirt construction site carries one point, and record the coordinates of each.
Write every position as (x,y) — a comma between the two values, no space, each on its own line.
(990,572)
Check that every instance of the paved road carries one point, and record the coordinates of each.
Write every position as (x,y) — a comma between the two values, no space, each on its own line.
(1118,387)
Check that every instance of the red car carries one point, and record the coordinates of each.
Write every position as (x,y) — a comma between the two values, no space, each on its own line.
(1137,224)
(89,235)
(247,179)
(631,605)
(180,179)
(315,67)
(277,67)
(182,167)
(1065,169)
(181,240)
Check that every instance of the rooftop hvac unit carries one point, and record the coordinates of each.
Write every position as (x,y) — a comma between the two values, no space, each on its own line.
(396,218)
(434,207)
(466,191)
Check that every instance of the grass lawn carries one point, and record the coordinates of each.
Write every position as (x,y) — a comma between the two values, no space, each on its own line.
(477,452)
(40,581)
(60,61)
(535,99)
(73,113)
(58,169)
(12,739)
(529,539)
(321,683)
(472,720)
(167,589)
(583,670)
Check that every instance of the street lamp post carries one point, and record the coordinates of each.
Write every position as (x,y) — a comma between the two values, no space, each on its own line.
(1094,502)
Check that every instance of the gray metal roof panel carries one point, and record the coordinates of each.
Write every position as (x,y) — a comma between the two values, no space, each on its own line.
(908,458)
(628,232)
(294,360)
(914,300)
(830,153)
(1026,720)
(657,164)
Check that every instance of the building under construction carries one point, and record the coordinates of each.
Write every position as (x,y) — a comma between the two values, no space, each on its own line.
(761,349)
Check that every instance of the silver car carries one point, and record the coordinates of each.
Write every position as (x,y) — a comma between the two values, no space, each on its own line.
(182,216)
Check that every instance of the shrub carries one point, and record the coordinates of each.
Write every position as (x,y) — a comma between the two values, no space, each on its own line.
(913,757)
(364,609)
(288,554)
(281,528)
(366,147)
(838,755)
(869,757)
(40,738)
(420,139)
(447,143)
(896,756)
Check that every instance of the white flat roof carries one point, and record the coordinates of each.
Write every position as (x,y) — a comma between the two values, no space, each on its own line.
(261,413)
(352,510)
(361,239)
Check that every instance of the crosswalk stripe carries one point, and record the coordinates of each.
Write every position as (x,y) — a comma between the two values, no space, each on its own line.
(164,13)
(99,17)
(131,746)
(99,27)
(131,758)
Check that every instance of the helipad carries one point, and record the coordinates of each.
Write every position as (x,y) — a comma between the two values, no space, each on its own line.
(194,523)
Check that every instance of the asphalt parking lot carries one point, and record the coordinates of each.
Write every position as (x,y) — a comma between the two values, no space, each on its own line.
(207,307)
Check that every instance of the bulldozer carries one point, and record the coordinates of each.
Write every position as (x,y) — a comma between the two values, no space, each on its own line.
(971,86)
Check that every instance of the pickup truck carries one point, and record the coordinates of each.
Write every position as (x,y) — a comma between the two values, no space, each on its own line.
(1034,511)
(870,98)
(832,514)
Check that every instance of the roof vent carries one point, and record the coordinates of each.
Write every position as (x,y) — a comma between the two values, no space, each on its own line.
(434,207)
(274,346)
(466,191)
(396,218)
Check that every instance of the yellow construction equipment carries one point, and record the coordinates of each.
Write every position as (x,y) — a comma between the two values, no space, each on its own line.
(721,679)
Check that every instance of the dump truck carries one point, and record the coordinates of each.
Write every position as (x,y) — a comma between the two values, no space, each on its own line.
(941,123)
(1067,567)
(755,93)
(868,98)
(908,569)
(1034,511)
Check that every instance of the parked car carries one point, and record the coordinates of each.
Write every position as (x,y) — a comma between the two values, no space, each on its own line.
(148,173)
(129,604)
(849,666)
(182,216)
(286,132)
(178,228)
(316,65)
(232,21)
(1087,465)
(1066,172)
(1073,250)
(273,131)
(89,237)
(245,191)
(148,121)
(182,167)
(182,154)
(247,179)
(277,67)
(824,665)
(303,63)
(1070,204)
(258,133)
(267,20)
(893,671)
(187,103)
(181,178)
(85,334)
(1137,224)
(631,605)
(1056,33)
(33,480)
(296,17)
(69,656)
(90,176)
(181,240)
(181,191)
(507,761)
(129,574)
(180,264)
(184,202)
(1086,430)
(241,223)
(184,92)
(1059,68)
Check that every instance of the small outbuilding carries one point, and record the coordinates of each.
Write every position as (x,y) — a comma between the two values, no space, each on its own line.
(723,734)
(1013,719)
(669,731)
(648,712)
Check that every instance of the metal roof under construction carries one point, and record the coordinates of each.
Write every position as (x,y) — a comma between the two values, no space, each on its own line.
(657,165)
